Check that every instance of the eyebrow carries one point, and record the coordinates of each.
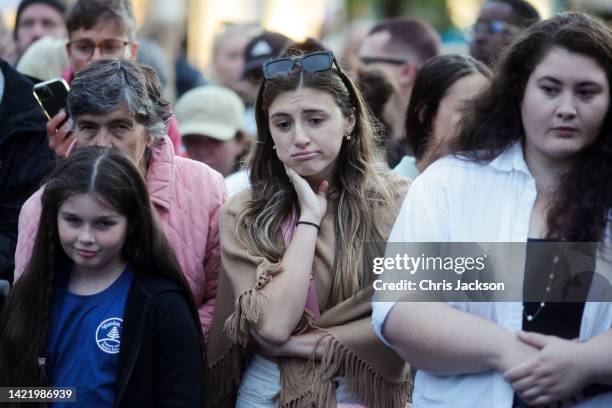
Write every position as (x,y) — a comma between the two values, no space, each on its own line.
(558,82)
(86,122)
(314,110)
(308,111)
(128,121)
(99,217)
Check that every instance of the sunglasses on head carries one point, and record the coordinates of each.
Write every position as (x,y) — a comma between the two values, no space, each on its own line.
(314,62)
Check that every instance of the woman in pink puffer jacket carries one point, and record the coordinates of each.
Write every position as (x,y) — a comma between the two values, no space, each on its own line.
(118,103)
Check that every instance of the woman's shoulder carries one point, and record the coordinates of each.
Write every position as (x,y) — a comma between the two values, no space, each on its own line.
(396,184)
(453,163)
(454,167)
(235,202)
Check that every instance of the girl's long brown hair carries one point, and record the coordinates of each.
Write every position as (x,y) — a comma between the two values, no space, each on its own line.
(356,190)
(113,179)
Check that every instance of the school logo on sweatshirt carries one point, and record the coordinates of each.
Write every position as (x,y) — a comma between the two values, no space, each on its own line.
(108,335)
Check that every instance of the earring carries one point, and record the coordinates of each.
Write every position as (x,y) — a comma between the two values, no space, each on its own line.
(348,136)
(273,147)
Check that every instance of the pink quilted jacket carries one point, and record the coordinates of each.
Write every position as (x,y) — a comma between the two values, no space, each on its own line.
(188,196)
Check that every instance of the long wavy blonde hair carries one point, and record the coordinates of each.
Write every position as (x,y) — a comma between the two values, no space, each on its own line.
(356,191)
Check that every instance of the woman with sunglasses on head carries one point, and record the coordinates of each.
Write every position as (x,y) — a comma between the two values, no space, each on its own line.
(532,164)
(292,298)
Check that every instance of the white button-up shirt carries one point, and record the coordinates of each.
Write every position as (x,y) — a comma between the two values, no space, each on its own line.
(457,200)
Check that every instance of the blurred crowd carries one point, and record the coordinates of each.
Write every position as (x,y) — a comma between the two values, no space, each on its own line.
(283,153)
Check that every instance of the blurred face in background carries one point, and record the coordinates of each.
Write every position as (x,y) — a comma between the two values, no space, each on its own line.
(374,53)
(37,21)
(228,60)
(453,105)
(446,123)
(106,39)
(221,155)
(493,29)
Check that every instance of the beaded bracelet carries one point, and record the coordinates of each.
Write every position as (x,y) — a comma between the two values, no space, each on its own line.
(308,223)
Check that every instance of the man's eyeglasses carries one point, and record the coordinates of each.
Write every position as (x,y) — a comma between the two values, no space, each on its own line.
(382,60)
(314,62)
(84,48)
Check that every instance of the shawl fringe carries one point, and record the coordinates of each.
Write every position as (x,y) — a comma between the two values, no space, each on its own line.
(363,382)
(223,377)
(249,304)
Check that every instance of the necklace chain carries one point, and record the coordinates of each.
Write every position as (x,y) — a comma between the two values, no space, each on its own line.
(551,277)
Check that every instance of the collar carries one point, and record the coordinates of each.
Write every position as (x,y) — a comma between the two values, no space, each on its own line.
(511,159)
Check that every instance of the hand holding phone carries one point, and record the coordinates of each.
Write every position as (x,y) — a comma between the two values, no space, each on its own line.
(52,96)
(59,133)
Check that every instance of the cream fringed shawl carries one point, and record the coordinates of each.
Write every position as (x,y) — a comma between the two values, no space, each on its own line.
(375,374)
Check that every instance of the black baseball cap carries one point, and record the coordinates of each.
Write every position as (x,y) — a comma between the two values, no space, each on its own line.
(263,48)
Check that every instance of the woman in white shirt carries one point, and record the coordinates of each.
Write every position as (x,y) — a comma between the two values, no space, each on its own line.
(535,164)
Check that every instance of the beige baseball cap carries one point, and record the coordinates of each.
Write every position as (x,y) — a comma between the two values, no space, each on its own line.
(210,110)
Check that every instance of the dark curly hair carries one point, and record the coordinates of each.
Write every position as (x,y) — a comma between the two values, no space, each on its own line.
(584,196)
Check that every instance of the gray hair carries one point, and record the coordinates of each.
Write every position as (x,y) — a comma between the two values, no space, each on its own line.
(106,85)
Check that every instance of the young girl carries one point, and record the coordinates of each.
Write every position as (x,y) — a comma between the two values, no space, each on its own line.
(102,306)
(294,293)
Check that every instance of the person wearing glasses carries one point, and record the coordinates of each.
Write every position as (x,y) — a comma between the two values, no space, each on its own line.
(97,29)
(400,46)
(498,22)
(293,296)
(532,163)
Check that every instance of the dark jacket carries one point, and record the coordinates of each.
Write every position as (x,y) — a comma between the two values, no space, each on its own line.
(160,359)
(25,158)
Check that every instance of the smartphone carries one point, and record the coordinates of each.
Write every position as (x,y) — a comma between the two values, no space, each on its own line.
(51,96)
